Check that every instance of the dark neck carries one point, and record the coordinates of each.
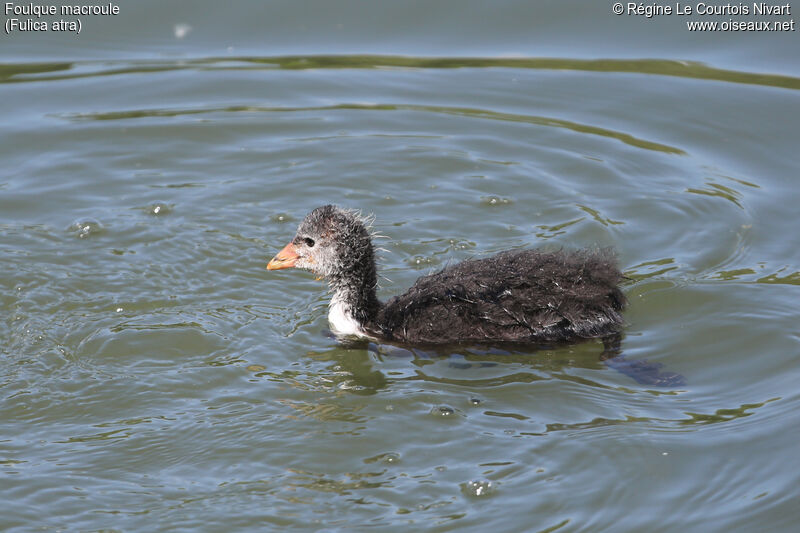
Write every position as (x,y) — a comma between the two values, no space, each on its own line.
(356,287)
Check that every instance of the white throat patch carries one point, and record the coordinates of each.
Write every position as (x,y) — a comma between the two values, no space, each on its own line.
(342,321)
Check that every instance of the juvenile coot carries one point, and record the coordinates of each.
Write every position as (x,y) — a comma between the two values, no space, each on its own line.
(521,296)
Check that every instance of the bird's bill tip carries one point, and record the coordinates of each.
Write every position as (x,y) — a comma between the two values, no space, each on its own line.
(286,258)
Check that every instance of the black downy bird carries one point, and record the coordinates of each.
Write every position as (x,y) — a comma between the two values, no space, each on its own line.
(520,296)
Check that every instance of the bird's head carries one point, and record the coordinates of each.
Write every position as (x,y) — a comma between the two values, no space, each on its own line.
(330,242)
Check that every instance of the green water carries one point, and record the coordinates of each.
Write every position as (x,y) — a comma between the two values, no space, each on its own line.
(153,375)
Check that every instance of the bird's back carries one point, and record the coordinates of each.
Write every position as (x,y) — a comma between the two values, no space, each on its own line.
(516,296)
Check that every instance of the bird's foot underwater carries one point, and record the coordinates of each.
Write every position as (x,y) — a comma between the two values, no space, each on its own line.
(645,372)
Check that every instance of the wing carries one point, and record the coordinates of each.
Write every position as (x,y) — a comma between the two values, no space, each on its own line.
(517,296)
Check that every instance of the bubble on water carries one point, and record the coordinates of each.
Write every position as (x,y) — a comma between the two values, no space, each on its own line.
(422,261)
(477,488)
(456,244)
(495,200)
(384,458)
(475,401)
(159,208)
(85,228)
(444,411)
(351,386)
(281,218)
(181,30)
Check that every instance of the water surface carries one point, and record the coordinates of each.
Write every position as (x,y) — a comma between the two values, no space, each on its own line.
(152,372)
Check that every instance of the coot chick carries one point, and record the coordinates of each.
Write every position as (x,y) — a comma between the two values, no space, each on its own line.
(520,296)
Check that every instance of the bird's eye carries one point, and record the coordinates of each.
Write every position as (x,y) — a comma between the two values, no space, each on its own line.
(309,242)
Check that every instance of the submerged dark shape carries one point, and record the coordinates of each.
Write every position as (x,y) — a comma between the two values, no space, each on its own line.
(522,296)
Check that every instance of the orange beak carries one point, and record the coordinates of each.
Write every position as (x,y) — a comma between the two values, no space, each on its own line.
(286,258)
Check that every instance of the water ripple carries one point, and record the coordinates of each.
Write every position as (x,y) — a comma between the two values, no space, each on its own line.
(457,111)
(27,72)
